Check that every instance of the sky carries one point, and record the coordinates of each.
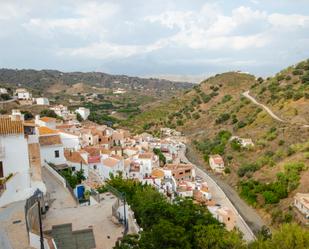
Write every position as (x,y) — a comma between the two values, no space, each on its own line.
(175,39)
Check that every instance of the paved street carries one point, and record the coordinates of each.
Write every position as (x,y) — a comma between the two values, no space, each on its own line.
(13,233)
(247,219)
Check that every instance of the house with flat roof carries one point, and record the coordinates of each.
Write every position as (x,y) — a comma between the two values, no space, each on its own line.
(301,202)
(216,163)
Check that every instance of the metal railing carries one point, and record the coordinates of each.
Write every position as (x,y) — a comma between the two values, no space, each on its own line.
(122,197)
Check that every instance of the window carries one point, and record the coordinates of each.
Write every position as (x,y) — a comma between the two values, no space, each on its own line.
(57,154)
(94,166)
(187,171)
(100,139)
(1,169)
(73,169)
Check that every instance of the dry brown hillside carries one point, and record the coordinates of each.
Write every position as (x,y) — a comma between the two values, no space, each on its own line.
(215,110)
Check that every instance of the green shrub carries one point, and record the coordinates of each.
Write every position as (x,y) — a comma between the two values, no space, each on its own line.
(222,118)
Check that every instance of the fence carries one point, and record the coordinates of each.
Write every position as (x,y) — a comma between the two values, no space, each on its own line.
(121,199)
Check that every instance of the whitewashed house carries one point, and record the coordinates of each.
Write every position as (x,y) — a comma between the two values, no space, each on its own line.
(42,101)
(51,147)
(61,111)
(69,140)
(216,163)
(23,94)
(3,91)
(15,170)
(76,161)
(301,202)
(17,115)
(111,165)
(147,162)
(46,122)
(83,112)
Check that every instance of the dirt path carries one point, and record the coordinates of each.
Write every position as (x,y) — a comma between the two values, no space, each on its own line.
(246,94)
(270,112)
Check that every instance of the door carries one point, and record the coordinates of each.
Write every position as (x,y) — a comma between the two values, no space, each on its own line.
(1,169)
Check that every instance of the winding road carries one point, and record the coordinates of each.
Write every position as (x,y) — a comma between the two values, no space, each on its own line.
(248,221)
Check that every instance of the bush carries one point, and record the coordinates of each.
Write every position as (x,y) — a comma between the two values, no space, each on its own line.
(226,98)
(227,170)
(244,169)
(48,113)
(222,118)
(235,145)
(241,124)
(196,115)
(297,72)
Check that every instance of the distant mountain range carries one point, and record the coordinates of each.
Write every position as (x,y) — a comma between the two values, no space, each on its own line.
(41,79)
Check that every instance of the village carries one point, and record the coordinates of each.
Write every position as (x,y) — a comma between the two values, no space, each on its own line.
(59,168)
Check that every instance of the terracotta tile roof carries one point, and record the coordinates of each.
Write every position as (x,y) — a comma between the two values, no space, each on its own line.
(127,162)
(217,159)
(93,151)
(43,130)
(147,155)
(178,166)
(105,151)
(157,173)
(110,162)
(50,140)
(74,157)
(94,159)
(9,126)
(64,126)
(117,157)
(48,119)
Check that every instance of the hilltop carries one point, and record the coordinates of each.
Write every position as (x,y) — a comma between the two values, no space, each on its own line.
(268,174)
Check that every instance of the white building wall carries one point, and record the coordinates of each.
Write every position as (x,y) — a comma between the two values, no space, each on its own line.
(15,154)
(42,101)
(48,155)
(70,141)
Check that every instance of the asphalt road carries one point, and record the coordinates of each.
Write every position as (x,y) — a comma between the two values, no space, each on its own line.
(247,213)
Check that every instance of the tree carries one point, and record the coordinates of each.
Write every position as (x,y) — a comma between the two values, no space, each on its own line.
(48,113)
(165,235)
(27,115)
(288,236)
(5,96)
(214,237)
(79,117)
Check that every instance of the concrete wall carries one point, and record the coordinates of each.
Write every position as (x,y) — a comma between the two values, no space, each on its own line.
(56,174)
(17,188)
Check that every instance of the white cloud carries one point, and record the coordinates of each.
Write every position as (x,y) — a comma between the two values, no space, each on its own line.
(288,21)
(89,18)
(106,50)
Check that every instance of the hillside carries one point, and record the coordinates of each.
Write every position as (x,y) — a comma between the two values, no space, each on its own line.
(268,174)
(109,97)
(52,80)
